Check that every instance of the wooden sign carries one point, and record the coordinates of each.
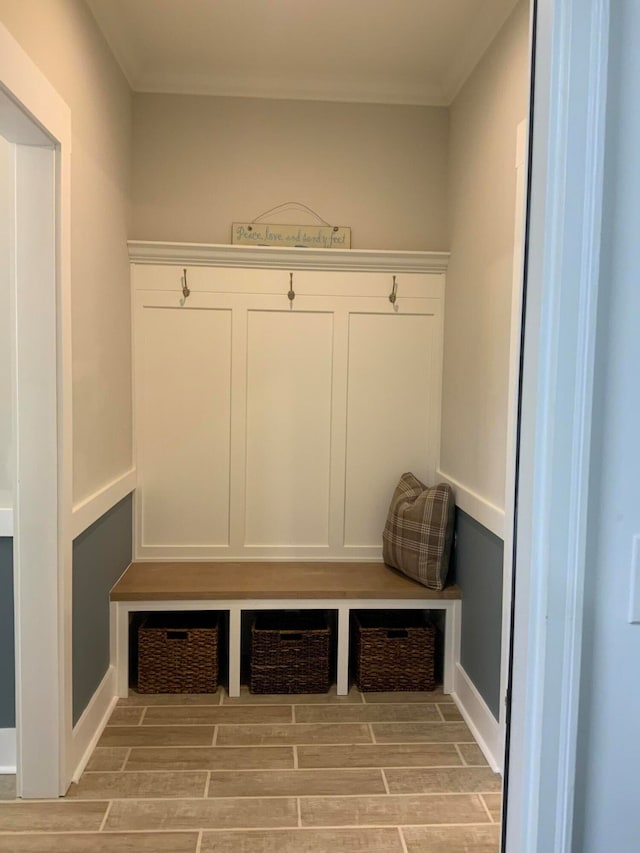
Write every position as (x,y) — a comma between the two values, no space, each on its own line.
(290,236)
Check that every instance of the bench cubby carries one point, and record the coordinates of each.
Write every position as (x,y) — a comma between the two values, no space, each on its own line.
(237,587)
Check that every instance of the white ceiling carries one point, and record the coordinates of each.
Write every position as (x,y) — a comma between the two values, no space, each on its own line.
(382,51)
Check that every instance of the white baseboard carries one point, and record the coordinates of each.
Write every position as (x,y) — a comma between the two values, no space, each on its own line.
(478,717)
(94,507)
(483,511)
(7,751)
(90,726)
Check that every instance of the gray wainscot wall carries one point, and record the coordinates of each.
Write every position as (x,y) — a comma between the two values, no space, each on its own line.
(7,648)
(478,571)
(100,555)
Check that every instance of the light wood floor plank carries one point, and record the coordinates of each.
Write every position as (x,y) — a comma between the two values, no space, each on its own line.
(125,716)
(452,839)
(203,814)
(459,780)
(367,713)
(494,804)
(371,811)
(212,758)
(472,754)
(107,758)
(408,696)
(157,736)
(139,842)
(303,841)
(141,700)
(422,733)
(293,734)
(212,715)
(292,783)
(331,698)
(54,816)
(111,786)
(380,755)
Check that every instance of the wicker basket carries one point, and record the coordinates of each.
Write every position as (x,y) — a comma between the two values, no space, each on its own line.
(178,653)
(394,650)
(289,653)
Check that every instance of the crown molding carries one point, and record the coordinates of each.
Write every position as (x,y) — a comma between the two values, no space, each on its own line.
(266,257)
(283,88)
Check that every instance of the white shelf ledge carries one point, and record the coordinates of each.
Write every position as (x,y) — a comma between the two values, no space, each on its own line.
(266,257)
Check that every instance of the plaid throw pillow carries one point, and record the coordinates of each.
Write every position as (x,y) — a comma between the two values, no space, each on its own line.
(419,530)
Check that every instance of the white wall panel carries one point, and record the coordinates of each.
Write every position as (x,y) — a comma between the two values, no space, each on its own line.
(289,370)
(184,391)
(270,429)
(390,413)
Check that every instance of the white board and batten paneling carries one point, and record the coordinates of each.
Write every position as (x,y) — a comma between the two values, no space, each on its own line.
(288,428)
(276,428)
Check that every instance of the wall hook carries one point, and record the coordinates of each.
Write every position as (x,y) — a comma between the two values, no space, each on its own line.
(292,293)
(394,292)
(185,290)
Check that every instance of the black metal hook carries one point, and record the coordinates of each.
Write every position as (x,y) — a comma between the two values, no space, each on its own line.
(394,292)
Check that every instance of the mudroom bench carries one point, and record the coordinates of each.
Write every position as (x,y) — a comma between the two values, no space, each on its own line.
(248,586)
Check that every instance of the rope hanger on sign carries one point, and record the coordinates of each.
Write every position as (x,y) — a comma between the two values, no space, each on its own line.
(295,205)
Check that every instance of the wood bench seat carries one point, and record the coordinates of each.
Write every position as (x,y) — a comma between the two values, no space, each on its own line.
(210,581)
(240,586)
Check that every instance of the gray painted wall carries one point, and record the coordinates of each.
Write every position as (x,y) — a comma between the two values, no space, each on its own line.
(478,570)
(7,649)
(100,555)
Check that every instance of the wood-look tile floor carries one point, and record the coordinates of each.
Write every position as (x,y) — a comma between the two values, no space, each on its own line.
(374,773)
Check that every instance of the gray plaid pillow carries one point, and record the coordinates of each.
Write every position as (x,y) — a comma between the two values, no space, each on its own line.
(419,530)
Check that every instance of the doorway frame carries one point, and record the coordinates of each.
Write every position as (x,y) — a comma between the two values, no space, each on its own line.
(42,420)
(562,272)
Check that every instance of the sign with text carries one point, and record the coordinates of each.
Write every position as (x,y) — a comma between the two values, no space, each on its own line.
(290,236)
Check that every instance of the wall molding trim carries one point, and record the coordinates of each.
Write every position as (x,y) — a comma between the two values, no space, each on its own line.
(483,511)
(7,751)
(484,726)
(91,724)
(267,257)
(94,507)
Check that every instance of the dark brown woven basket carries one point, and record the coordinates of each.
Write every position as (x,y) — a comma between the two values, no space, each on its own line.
(289,653)
(178,653)
(394,650)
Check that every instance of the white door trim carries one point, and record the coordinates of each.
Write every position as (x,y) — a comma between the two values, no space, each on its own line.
(521,167)
(42,499)
(559,343)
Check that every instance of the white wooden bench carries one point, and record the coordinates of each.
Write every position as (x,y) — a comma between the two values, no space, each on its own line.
(239,586)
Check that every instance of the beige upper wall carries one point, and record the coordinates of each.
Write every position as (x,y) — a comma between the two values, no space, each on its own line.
(6,413)
(483,122)
(63,40)
(201,163)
